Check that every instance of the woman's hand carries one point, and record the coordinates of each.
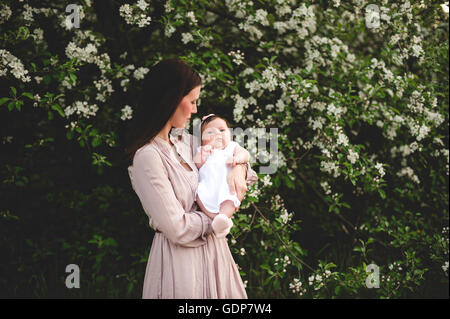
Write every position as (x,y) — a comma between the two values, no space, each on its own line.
(237,181)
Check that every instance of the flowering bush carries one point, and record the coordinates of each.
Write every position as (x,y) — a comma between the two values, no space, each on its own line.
(359,95)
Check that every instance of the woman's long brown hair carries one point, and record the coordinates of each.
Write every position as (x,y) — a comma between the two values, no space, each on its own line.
(164,87)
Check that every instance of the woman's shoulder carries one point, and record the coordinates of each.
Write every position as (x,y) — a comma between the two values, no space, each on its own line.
(147,153)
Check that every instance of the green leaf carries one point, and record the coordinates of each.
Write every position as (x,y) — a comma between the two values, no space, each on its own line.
(73,78)
(382,193)
(96,141)
(57,108)
(3,100)
(13,91)
(337,290)
(19,105)
(28,95)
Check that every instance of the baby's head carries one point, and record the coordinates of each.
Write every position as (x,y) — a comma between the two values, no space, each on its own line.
(215,131)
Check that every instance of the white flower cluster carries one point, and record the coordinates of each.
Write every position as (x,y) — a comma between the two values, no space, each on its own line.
(388,279)
(277,204)
(135,17)
(296,287)
(416,48)
(445,241)
(317,123)
(342,138)
(5,13)
(444,7)
(395,265)
(408,171)
(326,187)
(330,167)
(284,262)
(124,74)
(86,54)
(318,281)
(190,16)
(445,266)
(380,169)
(81,108)
(302,21)
(16,67)
(28,13)
(352,156)
(266,180)
(336,111)
(139,73)
(104,88)
(237,57)
(186,37)
(240,105)
(126,112)
(322,52)
(270,80)
(169,30)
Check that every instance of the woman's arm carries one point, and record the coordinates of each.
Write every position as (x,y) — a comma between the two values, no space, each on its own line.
(154,189)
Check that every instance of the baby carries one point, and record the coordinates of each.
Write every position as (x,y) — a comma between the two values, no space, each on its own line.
(214,160)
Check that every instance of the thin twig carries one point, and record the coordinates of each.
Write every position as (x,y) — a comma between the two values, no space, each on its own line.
(279,237)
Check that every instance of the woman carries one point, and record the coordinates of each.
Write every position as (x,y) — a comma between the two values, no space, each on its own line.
(186,259)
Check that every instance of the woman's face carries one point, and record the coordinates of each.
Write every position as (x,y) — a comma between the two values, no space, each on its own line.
(185,108)
(216,133)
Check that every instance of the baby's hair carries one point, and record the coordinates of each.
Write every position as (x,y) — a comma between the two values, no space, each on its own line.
(211,118)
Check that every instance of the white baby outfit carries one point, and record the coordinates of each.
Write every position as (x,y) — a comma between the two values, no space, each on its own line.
(212,186)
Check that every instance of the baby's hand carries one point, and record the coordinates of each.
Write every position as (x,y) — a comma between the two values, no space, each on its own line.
(202,155)
(207,148)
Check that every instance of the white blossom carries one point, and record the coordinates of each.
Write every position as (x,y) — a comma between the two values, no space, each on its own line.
(186,37)
(5,13)
(126,113)
(15,65)
(140,73)
(81,108)
(352,156)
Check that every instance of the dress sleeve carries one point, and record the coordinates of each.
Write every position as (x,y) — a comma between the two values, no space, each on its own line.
(152,185)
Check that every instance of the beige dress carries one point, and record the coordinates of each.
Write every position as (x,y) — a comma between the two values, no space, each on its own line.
(186,259)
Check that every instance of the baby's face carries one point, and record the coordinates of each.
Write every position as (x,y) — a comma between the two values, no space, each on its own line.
(217,134)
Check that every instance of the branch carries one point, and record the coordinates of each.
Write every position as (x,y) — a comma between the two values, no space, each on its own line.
(279,237)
